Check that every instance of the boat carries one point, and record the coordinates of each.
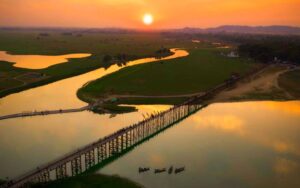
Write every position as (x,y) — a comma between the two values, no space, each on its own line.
(141,170)
(159,170)
(178,170)
(170,171)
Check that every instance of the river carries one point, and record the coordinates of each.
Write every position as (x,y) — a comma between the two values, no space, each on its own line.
(48,137)
(242,144)
(62,94)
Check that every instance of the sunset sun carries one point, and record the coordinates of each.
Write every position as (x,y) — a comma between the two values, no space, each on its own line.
(84,82)
(148,19)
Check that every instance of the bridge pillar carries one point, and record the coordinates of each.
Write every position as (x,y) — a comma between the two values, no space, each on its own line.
(89,159)
(101,152)
(44,176)
(134,132)
(115,145)
(142,130)
(131,137)
(61,171)
(121,143)
(76,166)
(146,129)
(128,139)
(110,148)
(118,144)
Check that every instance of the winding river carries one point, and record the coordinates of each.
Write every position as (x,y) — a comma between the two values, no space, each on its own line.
(242,144)
(48,137)
(62,94)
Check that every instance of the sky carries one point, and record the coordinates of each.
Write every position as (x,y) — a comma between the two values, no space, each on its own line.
(166,13)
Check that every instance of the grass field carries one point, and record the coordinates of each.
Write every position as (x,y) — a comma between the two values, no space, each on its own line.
(90,181)
(203,69)
(290,82)
(55,42)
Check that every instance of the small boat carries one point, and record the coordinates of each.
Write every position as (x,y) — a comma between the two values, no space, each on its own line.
(178,170)
(141,170)
(159,170)
(170,171)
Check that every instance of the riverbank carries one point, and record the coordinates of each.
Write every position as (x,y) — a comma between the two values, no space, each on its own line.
(271,84)
(120,47)
(169,81)
(278,82)
(60,91)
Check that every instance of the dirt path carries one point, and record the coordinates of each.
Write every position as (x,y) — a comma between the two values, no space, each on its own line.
(157,96)
(263,83)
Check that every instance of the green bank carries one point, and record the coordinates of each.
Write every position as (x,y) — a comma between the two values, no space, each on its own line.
(119,46)
(289,81)
(203,69)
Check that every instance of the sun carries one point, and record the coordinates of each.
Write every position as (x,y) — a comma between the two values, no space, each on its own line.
(148,19)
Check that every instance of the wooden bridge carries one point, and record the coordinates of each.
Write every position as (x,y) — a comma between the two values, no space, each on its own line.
(113,145)
(45,112)
(95,153)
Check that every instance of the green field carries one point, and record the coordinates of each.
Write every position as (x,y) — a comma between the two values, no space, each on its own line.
(99,44)
(203,69)
(90,181)
(290,82)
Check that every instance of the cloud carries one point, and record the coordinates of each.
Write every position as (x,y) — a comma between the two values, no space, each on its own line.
(285,166)
(227,123)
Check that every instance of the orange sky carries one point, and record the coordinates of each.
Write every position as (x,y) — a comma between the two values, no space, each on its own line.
(167,13)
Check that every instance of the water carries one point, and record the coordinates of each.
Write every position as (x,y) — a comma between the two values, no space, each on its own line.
(37,61)
(253,144)
(28,142)
(62,94)
(250,144)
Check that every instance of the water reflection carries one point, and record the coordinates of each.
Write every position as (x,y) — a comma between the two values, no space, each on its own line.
(224,145)
(37,61)
(32,141)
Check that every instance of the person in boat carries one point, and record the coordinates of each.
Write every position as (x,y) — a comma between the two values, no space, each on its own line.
(143,169)
(178,170)
(170,171)
(159,170)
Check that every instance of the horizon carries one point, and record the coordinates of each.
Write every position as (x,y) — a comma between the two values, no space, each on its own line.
(141,29)
(129,13)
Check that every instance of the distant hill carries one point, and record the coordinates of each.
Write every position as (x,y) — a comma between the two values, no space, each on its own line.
(273,30)
(278,30)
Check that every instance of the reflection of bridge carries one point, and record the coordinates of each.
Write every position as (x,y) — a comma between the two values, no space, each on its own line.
(114,145)
(106,148)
